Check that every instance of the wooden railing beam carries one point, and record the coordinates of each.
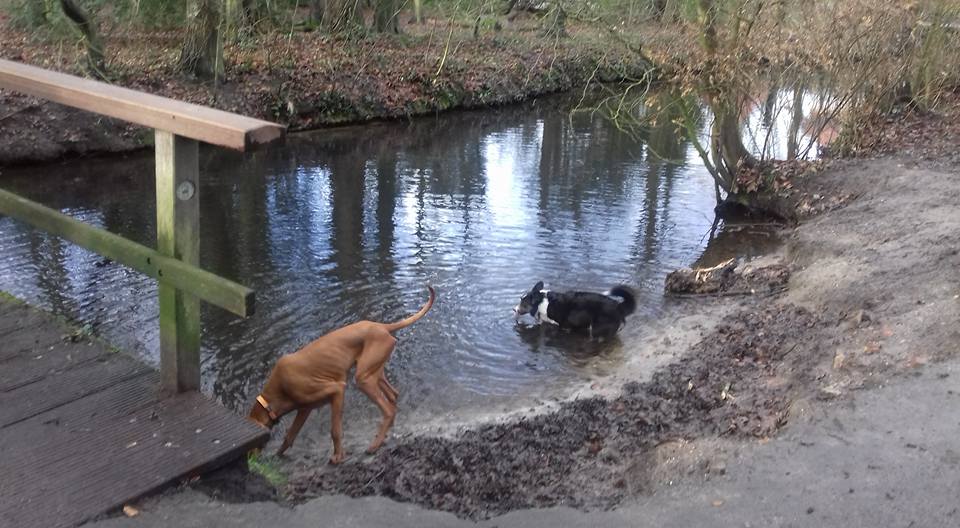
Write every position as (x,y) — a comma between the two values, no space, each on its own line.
(209,287)
(197,122)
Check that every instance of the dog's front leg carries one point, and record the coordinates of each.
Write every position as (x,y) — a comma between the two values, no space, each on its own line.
(336,427)
(294,430)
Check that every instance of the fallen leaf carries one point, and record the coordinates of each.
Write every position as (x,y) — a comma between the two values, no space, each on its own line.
(718,503)
(838,359)
(871,347)
(130,511)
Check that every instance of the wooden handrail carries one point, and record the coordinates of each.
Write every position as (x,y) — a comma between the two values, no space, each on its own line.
(178,130)
(211,288)
(184,119)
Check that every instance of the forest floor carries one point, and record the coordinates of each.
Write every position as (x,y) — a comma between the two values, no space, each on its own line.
(843,385)
(308,80)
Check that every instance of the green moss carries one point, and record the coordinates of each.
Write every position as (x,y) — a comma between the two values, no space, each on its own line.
(267,468)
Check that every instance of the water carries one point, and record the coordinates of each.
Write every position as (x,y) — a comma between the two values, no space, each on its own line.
(351,223)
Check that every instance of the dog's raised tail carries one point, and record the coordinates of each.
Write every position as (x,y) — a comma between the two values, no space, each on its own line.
(629,303)
(403,323)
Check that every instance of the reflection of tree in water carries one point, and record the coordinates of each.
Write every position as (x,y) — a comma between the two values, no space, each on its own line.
(347,167)
(47,253)
(386,168)
(571,167)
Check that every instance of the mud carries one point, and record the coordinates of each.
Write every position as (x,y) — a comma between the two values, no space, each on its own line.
(235,483)
(35,130)
(729,278)
(595,452)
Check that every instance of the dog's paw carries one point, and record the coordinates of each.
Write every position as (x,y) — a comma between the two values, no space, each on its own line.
(336,459)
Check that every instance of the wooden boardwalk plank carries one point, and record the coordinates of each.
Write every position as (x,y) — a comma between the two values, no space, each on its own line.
(12,322)
(63,387)
(87,436)
(90,463)
(32,365)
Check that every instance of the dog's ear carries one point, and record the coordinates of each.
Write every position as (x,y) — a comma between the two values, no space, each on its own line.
(537,287)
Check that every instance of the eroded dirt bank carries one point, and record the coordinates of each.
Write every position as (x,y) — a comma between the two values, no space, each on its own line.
(594,452)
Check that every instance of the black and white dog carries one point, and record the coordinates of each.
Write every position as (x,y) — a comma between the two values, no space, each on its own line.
(597,314)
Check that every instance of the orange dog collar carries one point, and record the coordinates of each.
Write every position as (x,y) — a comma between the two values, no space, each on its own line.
(266,406)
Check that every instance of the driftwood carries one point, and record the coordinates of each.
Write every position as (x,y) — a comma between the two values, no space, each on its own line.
(728,278)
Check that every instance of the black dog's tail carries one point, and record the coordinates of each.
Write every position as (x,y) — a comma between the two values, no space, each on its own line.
(629,303)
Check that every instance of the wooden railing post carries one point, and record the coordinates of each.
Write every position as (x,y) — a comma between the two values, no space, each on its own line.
(178,236)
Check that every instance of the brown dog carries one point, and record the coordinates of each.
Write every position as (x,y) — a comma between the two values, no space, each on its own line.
(317,374)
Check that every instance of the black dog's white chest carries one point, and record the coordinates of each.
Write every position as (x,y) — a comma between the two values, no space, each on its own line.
(544,309)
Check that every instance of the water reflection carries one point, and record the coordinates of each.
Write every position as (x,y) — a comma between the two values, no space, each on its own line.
(351,223)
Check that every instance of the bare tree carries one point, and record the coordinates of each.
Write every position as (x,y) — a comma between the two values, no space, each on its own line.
(239,15)
(337,16)
(96,64)
(385,15)
(202,52)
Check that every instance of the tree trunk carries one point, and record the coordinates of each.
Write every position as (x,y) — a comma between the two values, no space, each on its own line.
(38,12)
(96,64)
(340,16)
(237,15)
(386,13)
(726,145)
(796,118)
(417,15)
(316,11)
(202,53)
(707,15)
(242,15)
(659,10)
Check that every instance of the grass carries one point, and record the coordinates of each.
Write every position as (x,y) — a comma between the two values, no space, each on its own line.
(268,468)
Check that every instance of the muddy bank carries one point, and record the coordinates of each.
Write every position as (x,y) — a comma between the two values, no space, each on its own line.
(310,80)
(595,452)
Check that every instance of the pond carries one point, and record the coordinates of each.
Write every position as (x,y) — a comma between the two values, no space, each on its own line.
(351,223)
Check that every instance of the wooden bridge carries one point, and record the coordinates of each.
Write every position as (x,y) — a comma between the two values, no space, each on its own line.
(84,429)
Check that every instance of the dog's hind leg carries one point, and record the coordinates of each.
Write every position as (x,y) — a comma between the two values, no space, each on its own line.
(388,390)
(336,426)
(369,381)
(371,387)
(294,429)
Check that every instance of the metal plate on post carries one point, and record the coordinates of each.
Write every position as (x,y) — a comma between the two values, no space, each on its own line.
(185,190)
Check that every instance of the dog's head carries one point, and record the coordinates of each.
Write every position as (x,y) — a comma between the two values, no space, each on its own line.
(530,300)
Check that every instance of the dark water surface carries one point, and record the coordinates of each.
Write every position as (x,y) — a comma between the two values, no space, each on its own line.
(351,223)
